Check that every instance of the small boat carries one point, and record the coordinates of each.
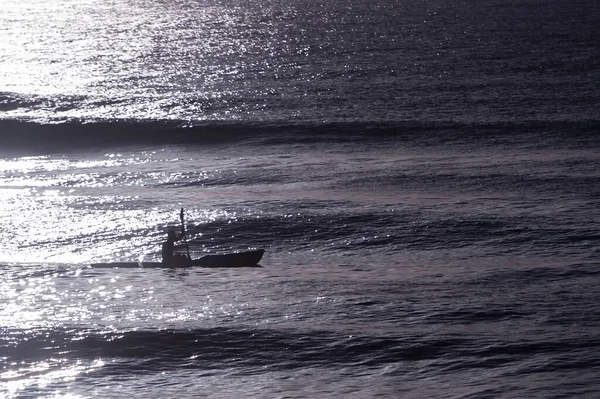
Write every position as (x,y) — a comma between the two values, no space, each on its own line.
(234,259)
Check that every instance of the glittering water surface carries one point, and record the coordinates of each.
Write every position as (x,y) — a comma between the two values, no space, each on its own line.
(422,175)
(296,61)
(391,266)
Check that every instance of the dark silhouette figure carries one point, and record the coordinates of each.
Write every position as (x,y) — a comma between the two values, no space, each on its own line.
(168,257)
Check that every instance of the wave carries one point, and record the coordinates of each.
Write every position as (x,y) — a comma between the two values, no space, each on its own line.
(219,348)
(481,181)
(17,134)
(537,275)
(210,347)
(388,231)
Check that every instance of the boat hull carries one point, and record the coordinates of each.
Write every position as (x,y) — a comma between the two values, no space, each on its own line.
(234,259)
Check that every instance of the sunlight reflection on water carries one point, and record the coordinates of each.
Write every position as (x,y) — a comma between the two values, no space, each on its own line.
(119,65)
(78,210)
(39,375)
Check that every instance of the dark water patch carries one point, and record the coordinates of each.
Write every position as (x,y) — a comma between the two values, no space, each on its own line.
(457,179)
(303,228)
(565,345)
(537,275)
(478,315)
(341,229)
(220,347)
(37,137)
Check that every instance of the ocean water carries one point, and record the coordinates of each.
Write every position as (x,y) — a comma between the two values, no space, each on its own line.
(424,178)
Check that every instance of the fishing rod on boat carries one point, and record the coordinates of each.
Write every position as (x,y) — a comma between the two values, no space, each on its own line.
(187,247)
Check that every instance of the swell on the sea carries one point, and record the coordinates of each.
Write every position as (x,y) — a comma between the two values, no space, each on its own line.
(27,136)
(211,347)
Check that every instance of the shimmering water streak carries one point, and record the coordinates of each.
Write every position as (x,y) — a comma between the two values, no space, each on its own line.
(298,61)
(37,376)
(68,210)
(163,60)
(433,263)
(200,328)
(377,194)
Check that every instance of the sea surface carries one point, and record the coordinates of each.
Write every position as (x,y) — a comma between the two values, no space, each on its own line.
(423,175)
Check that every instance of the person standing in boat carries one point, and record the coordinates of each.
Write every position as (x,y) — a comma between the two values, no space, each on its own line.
(168,257)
